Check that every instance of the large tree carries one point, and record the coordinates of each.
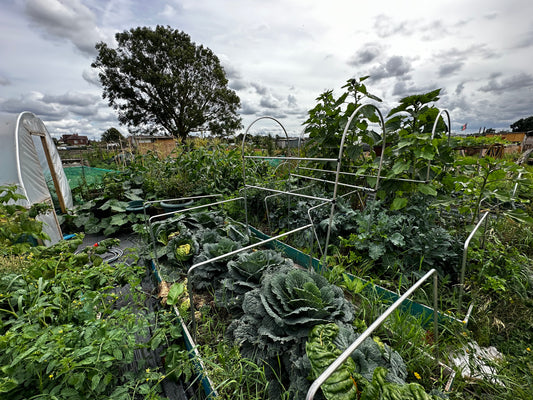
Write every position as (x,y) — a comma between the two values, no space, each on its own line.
(112,135)
(160,81)
(523,125)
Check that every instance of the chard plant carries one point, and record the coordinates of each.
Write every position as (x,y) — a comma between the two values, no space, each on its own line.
(373,371)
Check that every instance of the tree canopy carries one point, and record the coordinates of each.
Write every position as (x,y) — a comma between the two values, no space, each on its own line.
(523,125)
(112,135)
(161,82)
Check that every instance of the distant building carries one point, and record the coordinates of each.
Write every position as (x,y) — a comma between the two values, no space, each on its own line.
(161,145)
(289,143)
(75,140)
(516,138)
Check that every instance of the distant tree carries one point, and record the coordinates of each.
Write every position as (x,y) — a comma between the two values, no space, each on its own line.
(523,125)
(112,135)
(158,80)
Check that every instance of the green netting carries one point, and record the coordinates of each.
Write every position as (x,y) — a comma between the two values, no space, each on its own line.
(83,175)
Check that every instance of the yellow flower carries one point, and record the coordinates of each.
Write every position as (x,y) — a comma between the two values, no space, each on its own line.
(528,349)
(51,376)
(417,375)
(147,370)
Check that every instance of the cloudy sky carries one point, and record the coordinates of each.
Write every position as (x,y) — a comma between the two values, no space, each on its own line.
(279,55)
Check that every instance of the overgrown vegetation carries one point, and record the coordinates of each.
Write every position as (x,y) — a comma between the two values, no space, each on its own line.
(257,311)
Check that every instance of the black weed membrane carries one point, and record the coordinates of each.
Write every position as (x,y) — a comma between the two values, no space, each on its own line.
(145,358)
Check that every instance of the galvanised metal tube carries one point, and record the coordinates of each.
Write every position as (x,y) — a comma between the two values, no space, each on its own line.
(333,182)
(465,253)
(285,192)
(289,158)
(344,356)
(231,253)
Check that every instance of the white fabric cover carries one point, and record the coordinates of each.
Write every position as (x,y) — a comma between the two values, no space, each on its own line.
(23,162)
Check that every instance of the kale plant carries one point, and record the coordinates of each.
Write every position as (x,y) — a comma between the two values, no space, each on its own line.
(277,319)
(410,240)
(244,274)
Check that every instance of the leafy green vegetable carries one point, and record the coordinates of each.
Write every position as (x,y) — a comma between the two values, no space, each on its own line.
(374,370)
(244,274)
(278,316)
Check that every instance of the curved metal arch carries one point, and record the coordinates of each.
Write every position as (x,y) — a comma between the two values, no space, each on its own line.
(433,130)
(339,163)
(259,119)
(348,124)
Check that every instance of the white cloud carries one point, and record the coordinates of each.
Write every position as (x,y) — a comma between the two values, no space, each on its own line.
(279,55)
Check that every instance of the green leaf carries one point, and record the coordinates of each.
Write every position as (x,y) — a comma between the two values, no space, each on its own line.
(427,189)
(399,167)
(397,239)
(519,215)
(398,203)
(95,381)
(119,219)
(174,293)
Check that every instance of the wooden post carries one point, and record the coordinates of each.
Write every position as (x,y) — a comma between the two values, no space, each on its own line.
(53,172)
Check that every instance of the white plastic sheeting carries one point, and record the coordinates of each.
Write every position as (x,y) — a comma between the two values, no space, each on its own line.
(23,162)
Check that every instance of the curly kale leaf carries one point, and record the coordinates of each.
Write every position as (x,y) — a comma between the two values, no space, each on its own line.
(208,275)
(278,316)
(244,274)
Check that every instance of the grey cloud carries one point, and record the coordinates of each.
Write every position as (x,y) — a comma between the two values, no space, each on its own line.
(91,76)
(491,15)
(455,54)
(33,103)
(526,40)
(291,100)
(70,20)
(459,89)
(260,89)
(403,88)
(269,101)
(71,99)
(365,55)
(231,72)
(247,109)
(4,81)
(238,84)
(385,26)
(512,83)
(395,66)
(450,68)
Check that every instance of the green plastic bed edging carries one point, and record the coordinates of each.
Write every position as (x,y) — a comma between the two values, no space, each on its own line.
(191,348)
(415,309)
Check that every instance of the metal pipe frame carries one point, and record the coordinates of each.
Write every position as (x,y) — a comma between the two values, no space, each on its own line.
(223,256)
(347,353)
(275,195)
(290,158)
(286,192)
(341,149)
(465,254)
(333,182)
